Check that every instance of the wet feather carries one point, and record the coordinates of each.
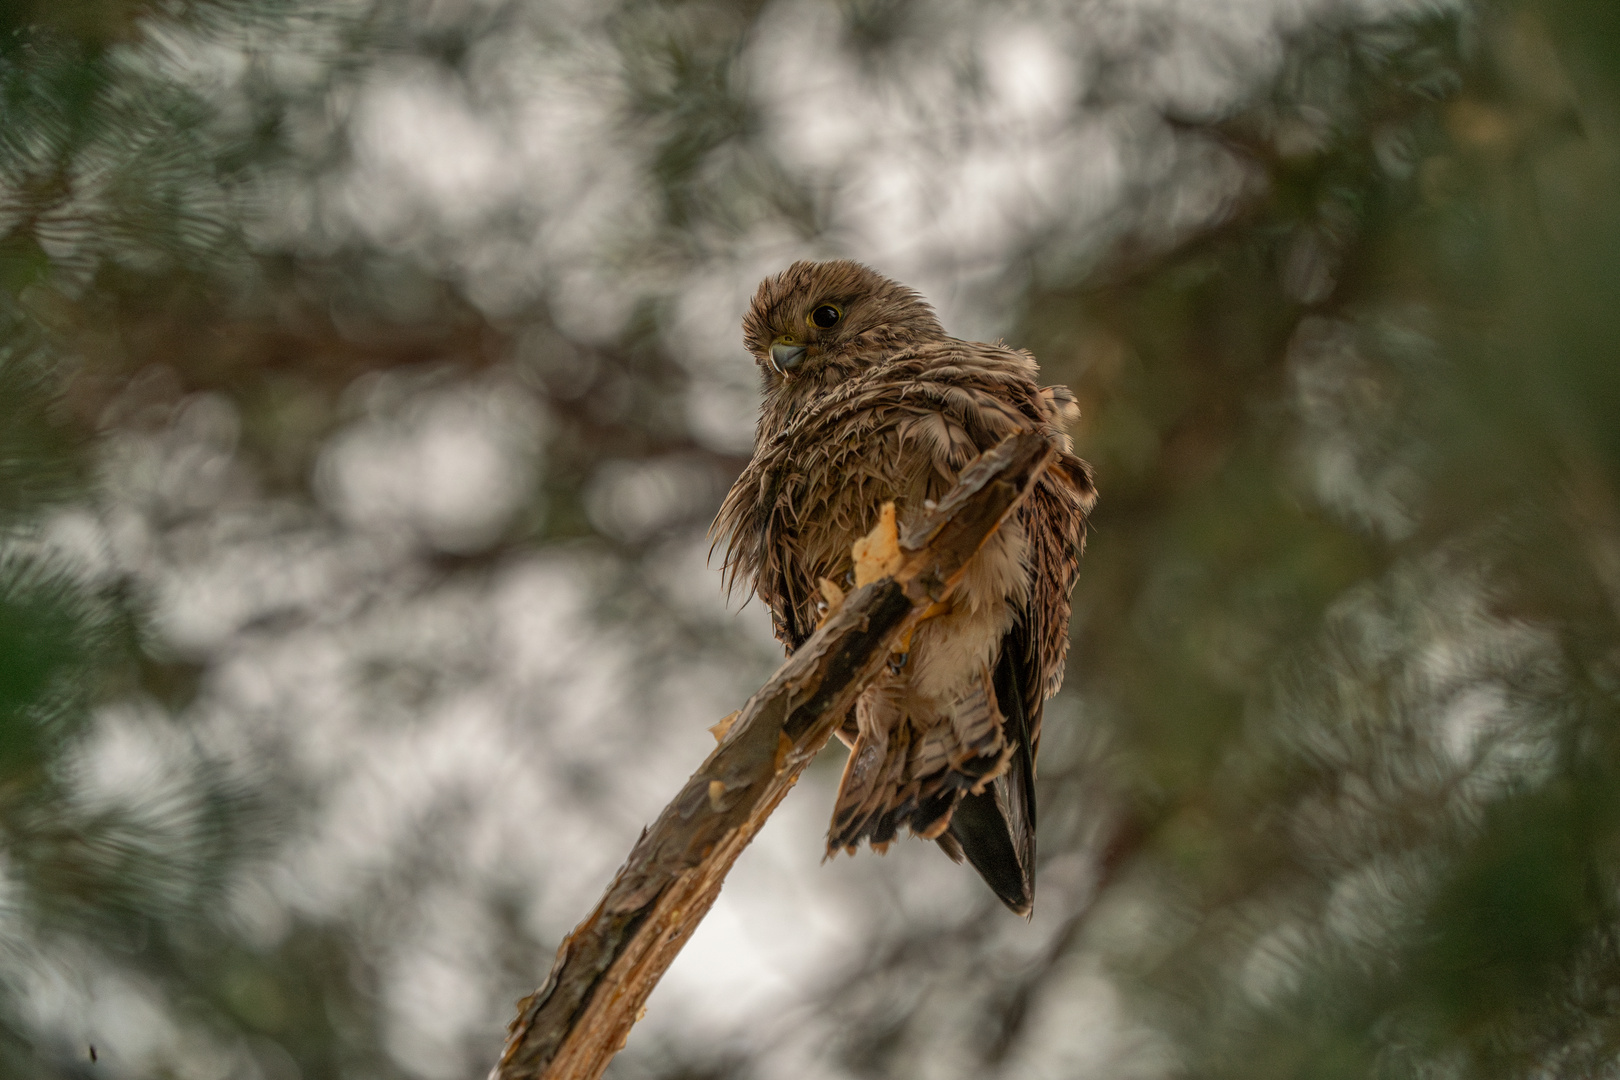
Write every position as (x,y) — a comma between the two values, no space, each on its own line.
(888,407)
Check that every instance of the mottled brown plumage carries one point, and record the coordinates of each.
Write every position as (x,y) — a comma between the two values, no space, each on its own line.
(868,400)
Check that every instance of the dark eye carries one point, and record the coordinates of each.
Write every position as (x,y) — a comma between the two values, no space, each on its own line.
(825,317)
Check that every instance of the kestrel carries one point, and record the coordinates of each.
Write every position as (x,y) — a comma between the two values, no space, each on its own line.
(867,400)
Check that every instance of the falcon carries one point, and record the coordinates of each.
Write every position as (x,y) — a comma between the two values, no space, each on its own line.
(868,401)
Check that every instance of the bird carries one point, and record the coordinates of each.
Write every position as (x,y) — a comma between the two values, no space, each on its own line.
(866,401)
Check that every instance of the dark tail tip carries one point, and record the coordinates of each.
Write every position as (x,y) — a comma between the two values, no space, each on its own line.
(983,832)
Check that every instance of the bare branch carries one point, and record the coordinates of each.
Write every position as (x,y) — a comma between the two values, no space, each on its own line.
(572,1026)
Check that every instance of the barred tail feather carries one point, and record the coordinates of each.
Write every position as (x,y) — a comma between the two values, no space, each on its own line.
(911,773)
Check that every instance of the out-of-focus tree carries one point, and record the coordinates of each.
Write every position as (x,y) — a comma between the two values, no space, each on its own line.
(368,375)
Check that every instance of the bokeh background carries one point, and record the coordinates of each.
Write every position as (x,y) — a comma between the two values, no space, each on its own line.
(370,371)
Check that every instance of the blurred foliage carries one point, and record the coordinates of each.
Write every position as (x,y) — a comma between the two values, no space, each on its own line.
(1334,786)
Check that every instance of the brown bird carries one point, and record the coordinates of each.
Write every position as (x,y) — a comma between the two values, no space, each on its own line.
(867,400)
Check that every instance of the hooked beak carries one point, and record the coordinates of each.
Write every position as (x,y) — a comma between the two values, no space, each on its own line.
(785,356)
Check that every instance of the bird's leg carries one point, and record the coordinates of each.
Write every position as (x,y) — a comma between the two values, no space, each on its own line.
(877,555)
(902,649)
(832,598)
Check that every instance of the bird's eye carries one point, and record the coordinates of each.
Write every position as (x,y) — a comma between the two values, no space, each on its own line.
(825,316)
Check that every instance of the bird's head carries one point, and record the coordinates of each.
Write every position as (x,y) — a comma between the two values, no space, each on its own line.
(819,322)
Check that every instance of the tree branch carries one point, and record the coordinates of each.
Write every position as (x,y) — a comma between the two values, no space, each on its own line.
(572,1026)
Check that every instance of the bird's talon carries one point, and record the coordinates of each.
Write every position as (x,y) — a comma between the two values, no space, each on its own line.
(832,598)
